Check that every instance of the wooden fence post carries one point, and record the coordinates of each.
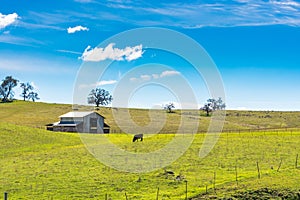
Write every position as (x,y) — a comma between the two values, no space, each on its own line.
(5,196)
(186,189)
(157,193)
(258,172)
(214,183)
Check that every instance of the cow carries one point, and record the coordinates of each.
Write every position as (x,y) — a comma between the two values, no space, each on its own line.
(137,136)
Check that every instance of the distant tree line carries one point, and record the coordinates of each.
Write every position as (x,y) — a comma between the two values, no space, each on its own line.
(7,90)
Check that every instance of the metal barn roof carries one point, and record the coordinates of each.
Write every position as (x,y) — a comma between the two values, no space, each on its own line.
(76,114)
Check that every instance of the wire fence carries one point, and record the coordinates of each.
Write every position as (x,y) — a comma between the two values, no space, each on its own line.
(250,130)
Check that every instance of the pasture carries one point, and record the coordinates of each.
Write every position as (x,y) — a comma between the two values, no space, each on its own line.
(38,164)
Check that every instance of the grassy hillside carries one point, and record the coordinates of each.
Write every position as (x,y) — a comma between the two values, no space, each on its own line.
(38,114)
(38,164)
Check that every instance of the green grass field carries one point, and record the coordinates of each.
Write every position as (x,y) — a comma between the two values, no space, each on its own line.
(38,164)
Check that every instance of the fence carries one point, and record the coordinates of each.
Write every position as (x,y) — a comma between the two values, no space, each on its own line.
(287,129)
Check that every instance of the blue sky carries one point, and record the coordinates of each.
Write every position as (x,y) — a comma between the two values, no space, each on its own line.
(254,44)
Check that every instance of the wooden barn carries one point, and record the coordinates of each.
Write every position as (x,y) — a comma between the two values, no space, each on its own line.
(82,122)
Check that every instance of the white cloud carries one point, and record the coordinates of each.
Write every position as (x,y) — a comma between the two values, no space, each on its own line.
(77,28)
(146,77)
(133,79)
(214,14)
(169,73)
(109,52)
(163,74)
(99,83)
(68,51)
(109,82)
(155,76)
(6,20)
(24,41)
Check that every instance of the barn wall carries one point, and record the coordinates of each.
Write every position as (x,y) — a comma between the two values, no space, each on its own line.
(84,127)
(87,125)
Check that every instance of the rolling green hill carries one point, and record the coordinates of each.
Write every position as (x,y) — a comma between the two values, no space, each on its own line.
(39,164)
(39,114)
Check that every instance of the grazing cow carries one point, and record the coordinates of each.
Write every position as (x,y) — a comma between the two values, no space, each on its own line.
(137,136)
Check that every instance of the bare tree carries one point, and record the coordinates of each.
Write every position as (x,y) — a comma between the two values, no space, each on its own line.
(99,96)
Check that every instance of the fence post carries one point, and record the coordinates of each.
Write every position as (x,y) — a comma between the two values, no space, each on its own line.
(214,182)
(186,189)
(5,196)
(258,172)
(157,193)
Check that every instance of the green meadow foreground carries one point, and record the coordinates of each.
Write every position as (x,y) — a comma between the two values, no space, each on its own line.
(38,164)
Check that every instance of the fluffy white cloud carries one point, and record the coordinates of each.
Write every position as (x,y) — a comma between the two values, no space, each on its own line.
(6,20)
(146,77)
(109,52)
(77,28)
(99,83)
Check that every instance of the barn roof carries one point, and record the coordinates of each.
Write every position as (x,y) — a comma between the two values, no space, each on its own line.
(77,114)
(74,124)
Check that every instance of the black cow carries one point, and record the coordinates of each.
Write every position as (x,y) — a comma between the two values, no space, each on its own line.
(137,136)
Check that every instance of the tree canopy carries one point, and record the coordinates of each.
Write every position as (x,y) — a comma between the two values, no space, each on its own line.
(99,96)
(169,107)
(33,96)
(26,88)
(213,105)
(6,88)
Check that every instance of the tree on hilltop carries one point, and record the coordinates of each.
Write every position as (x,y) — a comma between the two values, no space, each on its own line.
(6,88)
(26,87)
(169,107)
(99,96)
(213,105)
(33,96)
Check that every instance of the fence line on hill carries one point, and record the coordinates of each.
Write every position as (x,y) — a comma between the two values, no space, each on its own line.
(244,130)
(286,129)
(211,188)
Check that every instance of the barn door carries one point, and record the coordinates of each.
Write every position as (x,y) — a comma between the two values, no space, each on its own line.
(93,125)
